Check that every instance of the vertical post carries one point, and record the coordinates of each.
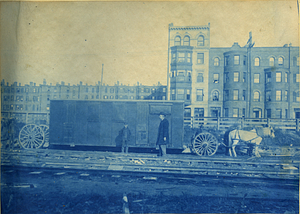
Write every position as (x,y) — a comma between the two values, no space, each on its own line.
(48,118)
(268,122)
(193,122)
(297,125)
(168,67)
(289,85)
(249,45)
(242,122)
(218,123)
(101,83)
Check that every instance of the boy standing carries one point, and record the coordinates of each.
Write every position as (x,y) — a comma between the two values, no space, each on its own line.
(125,134)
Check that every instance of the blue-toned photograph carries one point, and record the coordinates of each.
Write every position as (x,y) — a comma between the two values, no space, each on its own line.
(150,107)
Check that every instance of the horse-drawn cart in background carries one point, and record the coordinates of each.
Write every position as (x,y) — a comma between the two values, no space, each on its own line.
(210,134)
(28,136)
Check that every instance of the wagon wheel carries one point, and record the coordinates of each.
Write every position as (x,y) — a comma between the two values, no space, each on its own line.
(205,144)
(45,129)
(31,137)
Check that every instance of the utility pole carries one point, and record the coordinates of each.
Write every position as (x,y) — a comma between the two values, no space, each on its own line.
(249,45)
(100,87)
(168,68)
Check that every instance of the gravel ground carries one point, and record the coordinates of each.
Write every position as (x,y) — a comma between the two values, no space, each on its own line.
(82,192)
(140,203)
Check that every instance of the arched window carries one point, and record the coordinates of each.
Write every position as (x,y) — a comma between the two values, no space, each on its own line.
(256,61)
(200,41)
(216,61)
(177,41)
(215,95)
(271,61)
(186,41)
(256,96)
(280,61)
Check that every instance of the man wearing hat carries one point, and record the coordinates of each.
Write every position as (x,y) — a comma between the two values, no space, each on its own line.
(163,134)
(125,134)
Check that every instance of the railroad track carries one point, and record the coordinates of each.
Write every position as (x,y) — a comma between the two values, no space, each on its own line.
(279,168)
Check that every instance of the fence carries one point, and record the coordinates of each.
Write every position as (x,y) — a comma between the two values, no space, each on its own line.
(223,123)
(28,117)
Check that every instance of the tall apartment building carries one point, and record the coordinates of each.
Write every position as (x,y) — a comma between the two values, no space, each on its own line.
(31,103)
(255,82)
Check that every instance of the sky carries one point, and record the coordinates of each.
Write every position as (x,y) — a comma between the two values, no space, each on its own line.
(69,41)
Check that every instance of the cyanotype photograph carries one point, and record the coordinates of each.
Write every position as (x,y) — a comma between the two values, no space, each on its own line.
(150,107)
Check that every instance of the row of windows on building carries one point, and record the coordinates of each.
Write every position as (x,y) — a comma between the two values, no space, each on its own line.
(186,41)
(279,76)
(37,98)
(20,90)
(185,57)
(280,95)
(20,98)
(21,107)
(280,61)
(87,90)
(236,60)
(257,61)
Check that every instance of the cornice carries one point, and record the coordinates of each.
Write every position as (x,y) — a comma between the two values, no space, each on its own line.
(189,28)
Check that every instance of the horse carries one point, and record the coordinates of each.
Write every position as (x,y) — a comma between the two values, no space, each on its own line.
(8,132)
(253,137)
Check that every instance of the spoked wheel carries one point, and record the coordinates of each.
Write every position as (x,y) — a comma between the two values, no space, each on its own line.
(205,144)
(45,129)
(31,137)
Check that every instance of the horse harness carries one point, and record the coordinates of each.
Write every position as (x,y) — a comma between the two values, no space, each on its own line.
(238,137)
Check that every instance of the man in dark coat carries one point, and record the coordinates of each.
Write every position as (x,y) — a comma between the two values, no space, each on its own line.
(163,135)
(125,134)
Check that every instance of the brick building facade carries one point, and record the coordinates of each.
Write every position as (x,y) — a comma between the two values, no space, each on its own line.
(254,82)
(31,103)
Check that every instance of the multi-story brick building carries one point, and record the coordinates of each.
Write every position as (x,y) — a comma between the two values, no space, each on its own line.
(237,81)
(31,103)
